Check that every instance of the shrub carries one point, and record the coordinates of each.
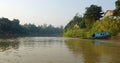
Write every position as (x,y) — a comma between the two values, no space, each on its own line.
(106,25)
(75,33)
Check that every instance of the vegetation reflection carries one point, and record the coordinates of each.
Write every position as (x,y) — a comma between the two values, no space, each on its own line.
(95,51)
(6,44)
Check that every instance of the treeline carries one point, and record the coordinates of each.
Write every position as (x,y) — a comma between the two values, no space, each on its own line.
(93,21)
(14,28)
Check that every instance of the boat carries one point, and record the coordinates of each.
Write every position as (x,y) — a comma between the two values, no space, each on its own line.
(101,35)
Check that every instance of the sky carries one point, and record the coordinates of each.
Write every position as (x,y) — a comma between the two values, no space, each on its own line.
(55,12)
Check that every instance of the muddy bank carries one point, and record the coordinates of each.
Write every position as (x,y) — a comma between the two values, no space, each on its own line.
(114,38)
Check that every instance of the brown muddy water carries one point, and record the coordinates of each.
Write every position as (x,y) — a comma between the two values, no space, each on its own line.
(58,50)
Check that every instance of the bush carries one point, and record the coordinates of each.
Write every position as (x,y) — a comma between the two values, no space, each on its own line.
(75,33)
(106,25)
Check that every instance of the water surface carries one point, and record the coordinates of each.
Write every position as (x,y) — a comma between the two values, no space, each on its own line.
(58,50)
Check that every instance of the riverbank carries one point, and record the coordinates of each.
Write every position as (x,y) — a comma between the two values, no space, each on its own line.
(114,38)
(110,38)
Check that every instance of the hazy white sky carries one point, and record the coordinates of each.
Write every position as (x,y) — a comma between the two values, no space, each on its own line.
(55,12)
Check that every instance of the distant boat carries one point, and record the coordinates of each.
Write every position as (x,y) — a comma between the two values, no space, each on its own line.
(101,35)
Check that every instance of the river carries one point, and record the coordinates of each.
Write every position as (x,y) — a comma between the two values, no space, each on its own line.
(58,50)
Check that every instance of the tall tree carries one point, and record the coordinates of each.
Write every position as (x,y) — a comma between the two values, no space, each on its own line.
(117,10)
(117,4)
(92,14)
(5,25)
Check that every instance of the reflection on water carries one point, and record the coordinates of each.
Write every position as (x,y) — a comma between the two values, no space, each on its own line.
(6,44)
(58,50)
(95,51)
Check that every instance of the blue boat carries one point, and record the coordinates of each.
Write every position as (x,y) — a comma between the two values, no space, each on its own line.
(101,35)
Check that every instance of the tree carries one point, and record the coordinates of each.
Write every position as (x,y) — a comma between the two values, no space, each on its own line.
(117,10)
(76,22)
(13,28)
(92,14)
(117,4)
(5,25)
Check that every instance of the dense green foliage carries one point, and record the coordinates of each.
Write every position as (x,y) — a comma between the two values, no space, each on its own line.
(92,14)
(117,4)
(76,33)
(76,23)
(13,28)
(107,24)
(92,23)
(8,27)
(117,10)
(79,26)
